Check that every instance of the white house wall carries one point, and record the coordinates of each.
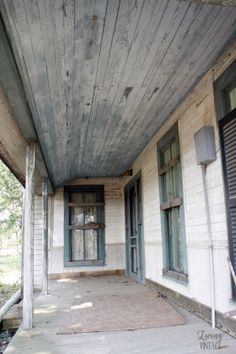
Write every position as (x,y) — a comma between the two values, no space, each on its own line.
(114,228)
(196,111)
(38,232)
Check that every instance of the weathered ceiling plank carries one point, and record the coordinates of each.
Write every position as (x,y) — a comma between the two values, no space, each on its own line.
(127,20)
(16,121)
(55,50)
(149,106)
(89,35)
(171,19)
(101,76)
(137,58)
(27,26)
(208,47)
(102,87)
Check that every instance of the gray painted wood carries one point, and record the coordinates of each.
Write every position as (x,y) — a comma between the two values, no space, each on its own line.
(28,265)
(11,83)
(50,318)
(102,76)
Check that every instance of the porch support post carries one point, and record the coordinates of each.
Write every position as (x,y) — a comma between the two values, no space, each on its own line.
(28,277)
(45,236)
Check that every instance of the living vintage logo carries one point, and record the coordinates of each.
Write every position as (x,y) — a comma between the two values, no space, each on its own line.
(210,340)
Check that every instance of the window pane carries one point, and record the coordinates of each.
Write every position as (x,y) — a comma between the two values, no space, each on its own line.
(174,150)
(90,212)
(232,98)
(77,213)
(77,245)
(91,248)
(77,197)
(90,215)
(176,241)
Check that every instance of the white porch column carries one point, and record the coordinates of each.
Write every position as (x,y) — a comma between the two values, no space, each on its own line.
(28,277)
(45,237)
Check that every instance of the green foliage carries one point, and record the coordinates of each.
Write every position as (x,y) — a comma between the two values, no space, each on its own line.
(11,199)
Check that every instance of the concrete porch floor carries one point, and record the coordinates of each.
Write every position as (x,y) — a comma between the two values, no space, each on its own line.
(50,312)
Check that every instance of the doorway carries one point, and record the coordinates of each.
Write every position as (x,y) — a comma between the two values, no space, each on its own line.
(135,265)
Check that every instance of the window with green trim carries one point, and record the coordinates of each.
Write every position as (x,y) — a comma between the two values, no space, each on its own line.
(172,213)
(84,226)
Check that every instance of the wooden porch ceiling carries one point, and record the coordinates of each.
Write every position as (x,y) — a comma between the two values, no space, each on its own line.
(101,76)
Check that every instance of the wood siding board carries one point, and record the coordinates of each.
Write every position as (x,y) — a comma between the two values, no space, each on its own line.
(20,114)
(168,111)
(165,34)
(103,85)
(143,28)
(157,112)
(92,36)
(35,58)
(210,37)
(10,82)
(53,57)
(121,46)
(77,59)
(158,47)
(17,25)
(184,62)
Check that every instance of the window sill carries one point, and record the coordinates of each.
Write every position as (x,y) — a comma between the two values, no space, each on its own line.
(85,263)
(179,277)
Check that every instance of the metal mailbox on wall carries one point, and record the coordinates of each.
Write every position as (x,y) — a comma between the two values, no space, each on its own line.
(205,145)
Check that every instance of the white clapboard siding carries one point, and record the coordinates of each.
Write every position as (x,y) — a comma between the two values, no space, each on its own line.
(38,230)
(114,227)
(197,110)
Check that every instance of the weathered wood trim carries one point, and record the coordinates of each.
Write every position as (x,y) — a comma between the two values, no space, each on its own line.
(29,237)
(85,263)
(7,159)
(172,204)
(94,204)
(170,164)
(215,2)
(89,226)
(45,236)
(87,274)
(15,112)
(181,277)
(227,325)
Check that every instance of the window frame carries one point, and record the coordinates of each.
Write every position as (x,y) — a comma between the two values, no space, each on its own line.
(101,237)
(221,86)
(182,277)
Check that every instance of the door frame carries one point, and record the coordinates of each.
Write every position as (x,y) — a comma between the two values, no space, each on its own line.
(140,277)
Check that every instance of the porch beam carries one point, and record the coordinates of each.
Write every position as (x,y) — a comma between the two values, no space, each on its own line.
(15,117)
(28,277)
(45,236)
